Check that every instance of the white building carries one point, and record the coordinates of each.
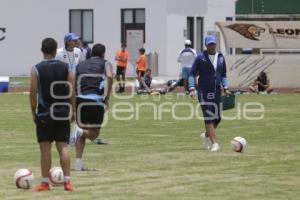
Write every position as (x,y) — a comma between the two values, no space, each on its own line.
(158,25)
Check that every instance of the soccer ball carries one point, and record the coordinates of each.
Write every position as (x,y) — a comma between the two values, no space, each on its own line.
(56,176)
(238,144)
(23,178)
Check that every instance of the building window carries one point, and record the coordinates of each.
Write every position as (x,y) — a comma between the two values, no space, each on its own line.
(229,19)
(190,30)
(128,16)
(132,19)
(199,34)
(82,23)
(140,16)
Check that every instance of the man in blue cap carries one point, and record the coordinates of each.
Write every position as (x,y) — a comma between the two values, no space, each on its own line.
(211,68)
(70,54)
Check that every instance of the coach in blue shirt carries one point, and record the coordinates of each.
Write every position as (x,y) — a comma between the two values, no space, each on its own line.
(211,68)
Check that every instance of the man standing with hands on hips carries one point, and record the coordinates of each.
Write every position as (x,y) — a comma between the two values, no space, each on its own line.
(210,66)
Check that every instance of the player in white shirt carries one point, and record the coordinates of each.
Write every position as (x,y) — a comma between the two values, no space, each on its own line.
(70,54)
(186,58)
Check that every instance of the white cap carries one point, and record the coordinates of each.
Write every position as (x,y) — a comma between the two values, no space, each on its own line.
(188,42)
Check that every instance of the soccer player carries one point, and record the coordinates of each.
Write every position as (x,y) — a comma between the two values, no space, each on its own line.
(211,68)
(186,58)
(141,65)
(70,54)
(261,84)
(122,59)
(145,84)
(94,78)
(45,93)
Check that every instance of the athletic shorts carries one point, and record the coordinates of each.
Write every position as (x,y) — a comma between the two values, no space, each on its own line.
(261,88)
(121,71)
(58,131)
(89,115)
(211,107)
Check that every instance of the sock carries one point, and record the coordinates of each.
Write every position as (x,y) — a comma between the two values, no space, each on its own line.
(67,179)
(45,180)
(78,160)
(80,131)
(78,164)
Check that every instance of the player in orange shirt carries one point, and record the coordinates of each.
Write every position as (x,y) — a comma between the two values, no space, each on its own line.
(140,64)
(122,59)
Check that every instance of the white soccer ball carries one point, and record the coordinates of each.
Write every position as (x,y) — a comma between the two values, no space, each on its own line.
(238,144)
(56,176)
(24,178)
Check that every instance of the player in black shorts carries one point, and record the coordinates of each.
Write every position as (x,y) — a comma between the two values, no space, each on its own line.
(52,104)
(122,60)
(92,99)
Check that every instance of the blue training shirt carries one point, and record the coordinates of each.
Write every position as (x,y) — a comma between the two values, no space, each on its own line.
(210,80)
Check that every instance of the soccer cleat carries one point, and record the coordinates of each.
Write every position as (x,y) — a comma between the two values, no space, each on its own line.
(76,133)
(41,187)
(205,141)
(121,90)
(81,168)
(215,147)
(99,141)
(68,186)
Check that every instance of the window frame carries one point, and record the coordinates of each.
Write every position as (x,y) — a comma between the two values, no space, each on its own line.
(190,22)
(133,25)
(81,23)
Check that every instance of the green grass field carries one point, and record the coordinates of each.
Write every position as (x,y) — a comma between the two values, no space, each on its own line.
(162,159)
(20,81)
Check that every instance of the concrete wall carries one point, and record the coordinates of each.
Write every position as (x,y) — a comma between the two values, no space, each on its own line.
(178,11)
(283,70)
(215,7)
(211,11)
(175,40)
(28,22)
(187,7)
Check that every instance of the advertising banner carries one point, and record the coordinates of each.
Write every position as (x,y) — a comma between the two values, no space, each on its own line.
(261,34)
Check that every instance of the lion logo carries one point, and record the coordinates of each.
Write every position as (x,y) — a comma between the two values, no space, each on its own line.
(249,31)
